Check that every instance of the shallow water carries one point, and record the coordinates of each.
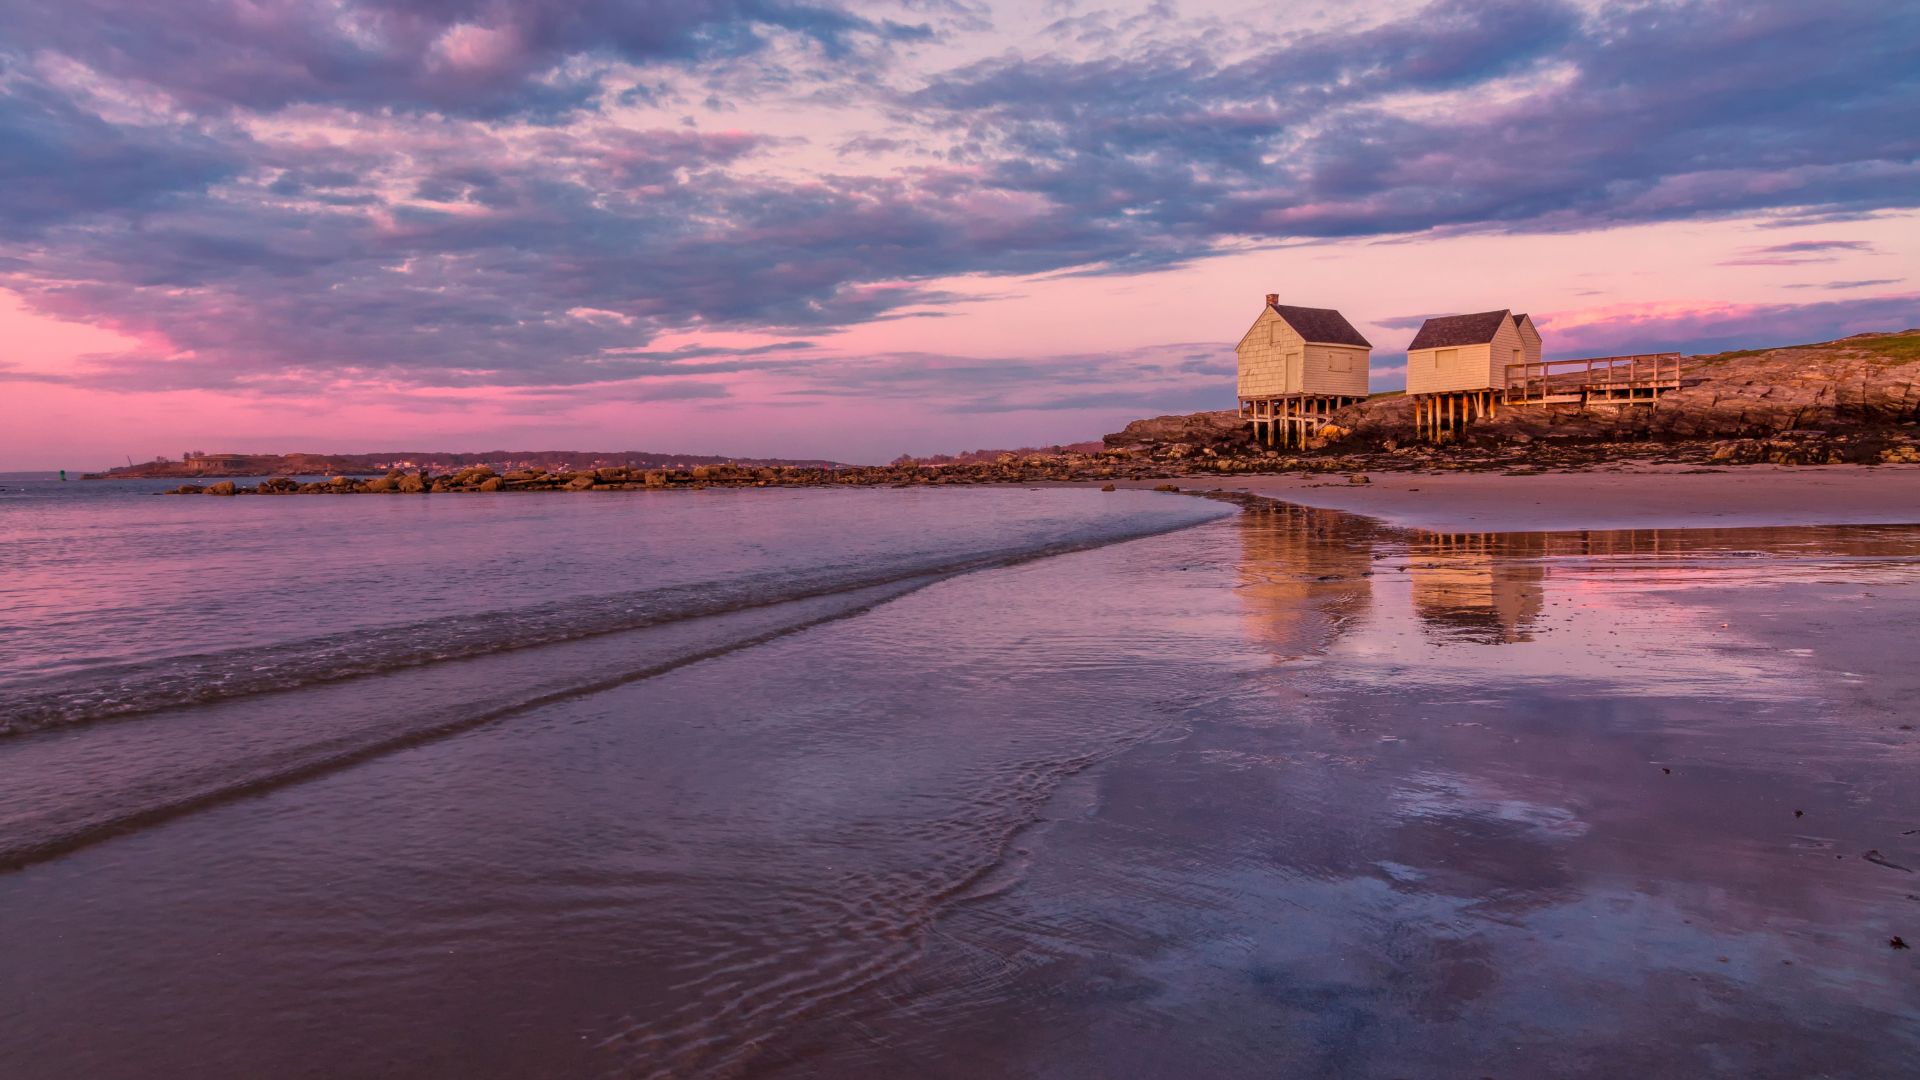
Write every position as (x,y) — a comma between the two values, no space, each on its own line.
(1278,794)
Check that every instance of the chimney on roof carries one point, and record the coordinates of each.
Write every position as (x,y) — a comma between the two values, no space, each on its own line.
(1273,298)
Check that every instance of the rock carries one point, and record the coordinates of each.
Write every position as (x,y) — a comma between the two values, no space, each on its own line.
(1359,478)
(1108,487)
(1222,431)
(411,484)
(378,483)
(581,482)
(1166,487)
(224,487)
(491,483)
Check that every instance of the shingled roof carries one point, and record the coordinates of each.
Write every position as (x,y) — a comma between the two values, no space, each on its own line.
(1450,330)
(1321,326)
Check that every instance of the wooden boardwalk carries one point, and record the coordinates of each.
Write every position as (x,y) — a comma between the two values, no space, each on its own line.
(1593,380)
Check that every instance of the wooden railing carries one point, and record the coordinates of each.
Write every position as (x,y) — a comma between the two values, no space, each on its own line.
(1642,377)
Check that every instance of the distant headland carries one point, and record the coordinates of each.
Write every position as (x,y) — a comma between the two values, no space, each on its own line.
(196,464)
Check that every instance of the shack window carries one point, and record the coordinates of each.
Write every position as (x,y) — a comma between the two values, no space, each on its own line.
(1339,360)
(1446,357)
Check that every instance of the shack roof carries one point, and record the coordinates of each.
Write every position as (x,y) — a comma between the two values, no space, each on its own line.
(1450,330)
(1321,326)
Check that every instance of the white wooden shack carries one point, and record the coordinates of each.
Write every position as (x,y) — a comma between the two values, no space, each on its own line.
(1458,366)
(1298,365)
(1461,353)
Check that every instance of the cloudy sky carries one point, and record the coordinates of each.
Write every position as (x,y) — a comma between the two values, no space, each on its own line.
(853,228)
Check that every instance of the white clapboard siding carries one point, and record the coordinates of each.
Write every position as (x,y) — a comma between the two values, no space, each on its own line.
(1458,368)
(1275,361)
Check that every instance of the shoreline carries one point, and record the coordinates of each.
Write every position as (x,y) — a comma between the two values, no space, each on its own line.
(1746,496)
(1628,495)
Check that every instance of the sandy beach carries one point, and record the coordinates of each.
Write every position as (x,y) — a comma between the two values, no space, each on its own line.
(1650,497)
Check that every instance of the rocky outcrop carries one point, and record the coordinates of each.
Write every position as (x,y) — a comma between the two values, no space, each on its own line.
(1007,469)
(1194,432)
(1860,383)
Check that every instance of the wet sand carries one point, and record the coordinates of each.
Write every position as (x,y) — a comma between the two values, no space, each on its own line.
(1645,497)
(1521,805)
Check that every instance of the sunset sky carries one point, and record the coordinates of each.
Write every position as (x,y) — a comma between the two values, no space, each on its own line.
(852,228)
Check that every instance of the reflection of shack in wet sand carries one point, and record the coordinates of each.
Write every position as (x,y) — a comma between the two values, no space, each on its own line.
(1480,587)
(1491,587)
(1304,575)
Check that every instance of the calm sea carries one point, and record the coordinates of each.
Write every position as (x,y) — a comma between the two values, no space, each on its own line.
(955,783)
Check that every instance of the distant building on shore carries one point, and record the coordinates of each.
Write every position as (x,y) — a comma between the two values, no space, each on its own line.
(1297,365)
(1457,353)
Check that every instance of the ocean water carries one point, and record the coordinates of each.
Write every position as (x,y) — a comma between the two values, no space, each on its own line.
(952,783)
(253,641)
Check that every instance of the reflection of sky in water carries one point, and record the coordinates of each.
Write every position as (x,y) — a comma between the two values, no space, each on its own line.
(1507,805)
(1527,800)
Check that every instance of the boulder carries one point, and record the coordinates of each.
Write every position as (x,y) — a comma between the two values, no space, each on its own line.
(224,487)
(1220,429)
